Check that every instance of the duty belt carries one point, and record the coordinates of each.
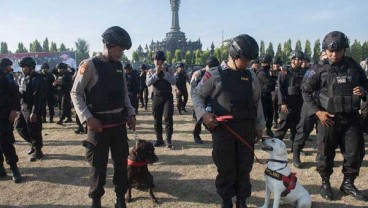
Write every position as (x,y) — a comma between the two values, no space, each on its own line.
(161,93)
(110,118)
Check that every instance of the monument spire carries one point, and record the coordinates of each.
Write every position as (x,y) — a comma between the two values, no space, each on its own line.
(175,15)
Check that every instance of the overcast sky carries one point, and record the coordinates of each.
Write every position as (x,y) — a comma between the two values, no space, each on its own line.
(146,20)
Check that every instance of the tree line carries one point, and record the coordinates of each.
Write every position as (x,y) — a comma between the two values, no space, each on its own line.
(357,50)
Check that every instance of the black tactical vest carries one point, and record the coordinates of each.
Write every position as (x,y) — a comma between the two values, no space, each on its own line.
(161,86)
(27,90)
(237,93)
(295,81)
(181,80)
(339,96)
(264,87)
(108,93)
(4,90)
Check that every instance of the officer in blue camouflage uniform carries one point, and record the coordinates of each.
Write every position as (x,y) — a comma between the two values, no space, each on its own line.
(234,90)
(29,122)
(9,108)
(342,85)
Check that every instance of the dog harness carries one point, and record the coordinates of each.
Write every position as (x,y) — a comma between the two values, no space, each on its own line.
(289,181)
(137,164)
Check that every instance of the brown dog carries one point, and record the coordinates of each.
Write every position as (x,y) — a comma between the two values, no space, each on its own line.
(139,157)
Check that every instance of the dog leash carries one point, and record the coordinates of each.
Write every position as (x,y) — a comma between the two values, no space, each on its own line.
(223,120)
(136,138)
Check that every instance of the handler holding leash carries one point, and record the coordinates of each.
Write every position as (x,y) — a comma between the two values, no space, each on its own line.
(234,90)
(106,110)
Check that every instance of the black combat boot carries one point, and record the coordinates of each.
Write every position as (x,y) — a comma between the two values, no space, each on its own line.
(197,139)
(227,203)
(60,122)
(17,178)
(44,120)
(348,187)
(184,110)
(145,106)
(142,105)
(96,203)
(168,142)
(325,190)
(69,120)
(37,155)
(241,202)
(179,110)
(159,141)
(269,132)
(296,159)
(31,151)
(2,171)
(51,120)
(120,203)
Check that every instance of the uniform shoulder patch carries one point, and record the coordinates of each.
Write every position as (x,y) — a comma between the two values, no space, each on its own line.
(206,76)
(83,67)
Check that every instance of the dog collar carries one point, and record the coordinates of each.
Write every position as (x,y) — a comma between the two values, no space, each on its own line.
(137,164)
(289,181)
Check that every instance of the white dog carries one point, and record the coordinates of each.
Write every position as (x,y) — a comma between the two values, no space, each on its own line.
(280,180)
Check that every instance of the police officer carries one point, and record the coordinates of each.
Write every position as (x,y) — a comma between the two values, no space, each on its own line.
(290,96)
(254,64)
(143,89)
(29,122)
(196,78)
(64,85)
(181,87)
(276,68)
(133,85)
(162,98)
(267,86)
(307,121)
(48,100)
(9,108)
(106,110)
(341,83)
(234,90)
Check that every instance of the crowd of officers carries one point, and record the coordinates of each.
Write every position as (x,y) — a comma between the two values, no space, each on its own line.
(257,92)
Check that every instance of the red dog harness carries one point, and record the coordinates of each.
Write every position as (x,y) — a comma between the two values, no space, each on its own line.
(137,164)
(289,181)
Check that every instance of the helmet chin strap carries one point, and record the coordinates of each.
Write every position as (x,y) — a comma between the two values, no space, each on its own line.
(236,66)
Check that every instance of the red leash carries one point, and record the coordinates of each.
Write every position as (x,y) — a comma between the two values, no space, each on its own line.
(223,120)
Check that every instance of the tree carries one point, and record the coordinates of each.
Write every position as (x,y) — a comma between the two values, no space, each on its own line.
(123,58)
(298,46)
(356,51)
(286,51)
(308,50)
(218,54)
(262,48)
(270,50)
(4,48)
(35,46)
(316,50)
(279,51)
(168,57)
(188,58)
(53,47)
(177,56)
(135,56)
(364,50)
(205,55)
(21,48)
(82,50)
(45,45)
(62,47)
(198,57)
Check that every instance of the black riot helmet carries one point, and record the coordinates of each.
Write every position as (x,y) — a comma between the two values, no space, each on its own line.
(127,66)
(212,61)
(159,55)
(117,36)
(296,54)
(179,64)
(27,61)
(5,62)
(335,41)
(244,46)
(45,66)
(277,60)
(143,67)
(62,66)
(265,59)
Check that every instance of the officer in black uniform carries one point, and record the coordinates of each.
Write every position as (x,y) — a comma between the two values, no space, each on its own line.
(181,87)
(162,100)
(132,80)
(64,85)
(267,86)
(234,90)
(29,122)
(9,107)
(276,68)
(307,121)
(143,89)
(106,110)
(48,100)
(342,84)
(290,96)
(196,78)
